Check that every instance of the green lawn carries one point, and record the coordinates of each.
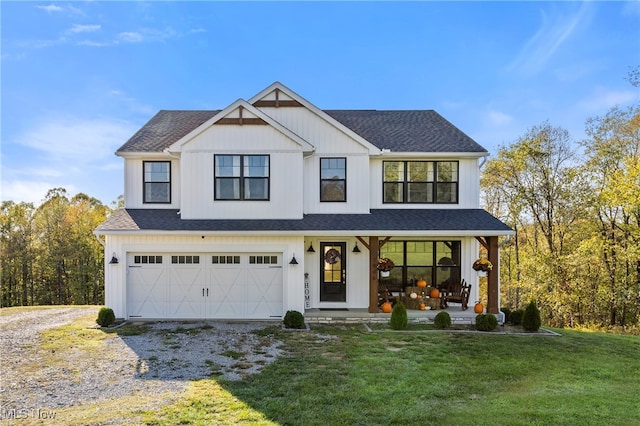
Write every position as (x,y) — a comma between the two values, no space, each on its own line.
(345,376)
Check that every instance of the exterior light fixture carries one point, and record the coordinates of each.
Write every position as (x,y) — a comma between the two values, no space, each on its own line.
(293,260)
(114,259)
(311,249)
(356,249)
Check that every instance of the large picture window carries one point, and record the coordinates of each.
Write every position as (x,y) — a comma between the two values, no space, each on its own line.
(333,179)
(420,182)
(157,181)
(437,262)
(241,177)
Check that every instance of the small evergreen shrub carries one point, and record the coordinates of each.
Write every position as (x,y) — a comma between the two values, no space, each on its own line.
(399,317)
(531,319)
(293,319)
(515,317)
(106,317)
(486,322)
(442,320)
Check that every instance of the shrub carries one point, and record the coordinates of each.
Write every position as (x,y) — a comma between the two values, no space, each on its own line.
(442,320)
(293,319)
(399,317)
(486,322)
(531,319)
(515,317)
(106,317)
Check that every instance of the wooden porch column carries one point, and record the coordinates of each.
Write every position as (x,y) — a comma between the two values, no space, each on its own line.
(374,248)
(493,291)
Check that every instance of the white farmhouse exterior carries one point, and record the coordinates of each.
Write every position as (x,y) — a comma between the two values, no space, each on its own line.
(273,204)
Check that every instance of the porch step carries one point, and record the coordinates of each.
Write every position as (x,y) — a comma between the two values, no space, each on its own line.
(358,316)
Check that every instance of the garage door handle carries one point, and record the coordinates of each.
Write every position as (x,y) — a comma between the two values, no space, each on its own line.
(203,292)
(207,292)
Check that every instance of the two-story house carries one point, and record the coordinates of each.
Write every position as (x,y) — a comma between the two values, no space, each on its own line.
(273,204)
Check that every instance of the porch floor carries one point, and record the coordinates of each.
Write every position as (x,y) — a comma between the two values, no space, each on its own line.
(317,316)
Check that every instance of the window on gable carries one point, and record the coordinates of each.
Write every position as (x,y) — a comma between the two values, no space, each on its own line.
(241,177)
(420,182)
(333,179)
(157,181)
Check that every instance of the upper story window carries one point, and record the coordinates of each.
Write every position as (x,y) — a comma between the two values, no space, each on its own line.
(333,179)
(241,177)
(420,182)
(157,182)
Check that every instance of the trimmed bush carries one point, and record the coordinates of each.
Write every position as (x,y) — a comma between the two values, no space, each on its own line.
(515,317)
(106,317)
(293,319)
(399,317)
(486,322)
(442,320)
(531,319)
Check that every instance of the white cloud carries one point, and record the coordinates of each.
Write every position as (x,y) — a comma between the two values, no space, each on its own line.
(30,191)
(603,99)
(554,31)
(130,37)
(78,141)
(50,8)
(78,28)
(498,118)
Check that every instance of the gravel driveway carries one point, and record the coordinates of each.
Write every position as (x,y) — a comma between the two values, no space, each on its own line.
(165,356)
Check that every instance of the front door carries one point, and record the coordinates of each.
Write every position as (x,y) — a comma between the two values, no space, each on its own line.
(333,281)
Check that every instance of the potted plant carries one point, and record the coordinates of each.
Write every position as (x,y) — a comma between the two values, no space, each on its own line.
(384,265)
(482,265)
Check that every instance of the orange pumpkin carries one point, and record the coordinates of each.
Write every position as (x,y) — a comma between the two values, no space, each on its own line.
(387,308)
(421,283)
(478,308)
(435,293)
(423,307)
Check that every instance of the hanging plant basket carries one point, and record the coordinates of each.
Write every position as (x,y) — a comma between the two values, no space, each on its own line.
(482,265)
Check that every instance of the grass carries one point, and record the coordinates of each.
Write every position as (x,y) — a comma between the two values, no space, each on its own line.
(344,375)
(360,378)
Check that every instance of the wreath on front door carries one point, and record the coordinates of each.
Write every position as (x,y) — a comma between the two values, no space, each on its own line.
(332,256)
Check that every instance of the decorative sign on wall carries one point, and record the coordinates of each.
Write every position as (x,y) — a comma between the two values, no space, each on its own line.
(307,292)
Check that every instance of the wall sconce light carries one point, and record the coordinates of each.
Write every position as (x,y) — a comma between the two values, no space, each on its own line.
(356,249)
(293,260)
(114,259)
(311,249)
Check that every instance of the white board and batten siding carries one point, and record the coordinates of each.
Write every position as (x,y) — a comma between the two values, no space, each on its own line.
(134,184)
(468,187)
(285,168)
(240,289)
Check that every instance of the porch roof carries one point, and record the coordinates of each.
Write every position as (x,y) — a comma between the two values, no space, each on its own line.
(455,222)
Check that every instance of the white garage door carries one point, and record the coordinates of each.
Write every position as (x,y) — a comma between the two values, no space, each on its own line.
(211,285)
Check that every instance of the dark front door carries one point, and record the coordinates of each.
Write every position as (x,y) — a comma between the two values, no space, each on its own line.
(333,281)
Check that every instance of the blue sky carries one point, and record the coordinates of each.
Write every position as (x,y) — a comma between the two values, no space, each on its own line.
(79,78)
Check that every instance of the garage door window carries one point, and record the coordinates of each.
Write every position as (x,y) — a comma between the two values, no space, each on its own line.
(185,260)
(142,260)
(263,260)
(227,260)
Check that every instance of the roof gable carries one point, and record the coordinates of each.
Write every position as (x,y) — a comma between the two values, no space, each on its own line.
(239,113)
(279,95)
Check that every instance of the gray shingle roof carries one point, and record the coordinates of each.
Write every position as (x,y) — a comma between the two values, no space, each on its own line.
(407,131)
(399,131)
(165,128)
(471,220)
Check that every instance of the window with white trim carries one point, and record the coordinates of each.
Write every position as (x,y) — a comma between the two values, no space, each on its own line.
(333,179)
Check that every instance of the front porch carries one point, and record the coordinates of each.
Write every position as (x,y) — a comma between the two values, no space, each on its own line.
(357,316)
